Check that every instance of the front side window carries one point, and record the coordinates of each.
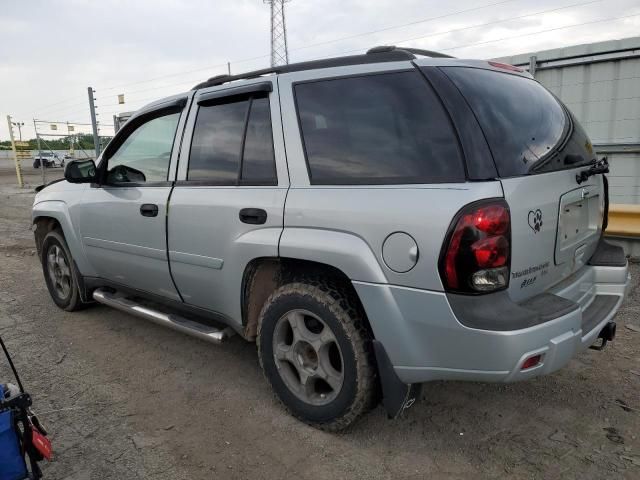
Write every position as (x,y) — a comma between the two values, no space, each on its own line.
(233,143)
(377,129)
(145,154)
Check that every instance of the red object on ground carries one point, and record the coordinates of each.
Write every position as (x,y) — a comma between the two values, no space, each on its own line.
(42,443)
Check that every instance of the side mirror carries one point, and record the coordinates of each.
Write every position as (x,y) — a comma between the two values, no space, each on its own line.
(80,171)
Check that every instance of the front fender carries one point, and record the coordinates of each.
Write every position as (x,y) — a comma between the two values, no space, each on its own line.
(59,211)
(344,251)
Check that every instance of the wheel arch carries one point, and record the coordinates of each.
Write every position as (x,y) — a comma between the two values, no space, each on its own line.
(43,225)
(52,214)
(262,276)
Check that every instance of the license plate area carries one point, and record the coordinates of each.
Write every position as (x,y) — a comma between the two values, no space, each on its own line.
(578,222)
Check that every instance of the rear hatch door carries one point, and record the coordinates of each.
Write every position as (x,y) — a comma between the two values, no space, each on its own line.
(538,147)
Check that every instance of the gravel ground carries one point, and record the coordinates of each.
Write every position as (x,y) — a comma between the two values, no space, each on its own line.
(124,398)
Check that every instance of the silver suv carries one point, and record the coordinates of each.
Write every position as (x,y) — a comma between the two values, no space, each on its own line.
(372,222)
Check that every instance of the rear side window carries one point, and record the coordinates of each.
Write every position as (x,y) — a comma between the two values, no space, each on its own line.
(527,128)
(233,144)
(258,163)
(217,138)
(377,129)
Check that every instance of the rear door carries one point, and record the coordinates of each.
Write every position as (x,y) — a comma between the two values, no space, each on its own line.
(227,205)
(538,147)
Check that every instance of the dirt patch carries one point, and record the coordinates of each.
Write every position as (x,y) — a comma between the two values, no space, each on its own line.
(124,398)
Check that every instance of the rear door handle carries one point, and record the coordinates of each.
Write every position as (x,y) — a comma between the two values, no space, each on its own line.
(253,216)
(149,210)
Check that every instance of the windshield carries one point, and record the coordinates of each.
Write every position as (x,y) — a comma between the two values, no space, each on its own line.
(528,129)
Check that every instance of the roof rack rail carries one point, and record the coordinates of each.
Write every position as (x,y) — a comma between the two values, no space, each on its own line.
(374,55)
(415,51)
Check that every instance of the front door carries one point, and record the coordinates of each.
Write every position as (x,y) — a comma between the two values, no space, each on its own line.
(227,206)
(123,220)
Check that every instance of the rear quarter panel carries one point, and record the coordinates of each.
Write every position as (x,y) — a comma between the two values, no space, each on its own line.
(371,214)
(365,215)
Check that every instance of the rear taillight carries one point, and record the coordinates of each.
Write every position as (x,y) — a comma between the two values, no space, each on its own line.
(476,254)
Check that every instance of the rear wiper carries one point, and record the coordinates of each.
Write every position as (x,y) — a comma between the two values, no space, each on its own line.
(601,166)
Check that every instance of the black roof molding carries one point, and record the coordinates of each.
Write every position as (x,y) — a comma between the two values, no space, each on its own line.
(414,51)
(374,55)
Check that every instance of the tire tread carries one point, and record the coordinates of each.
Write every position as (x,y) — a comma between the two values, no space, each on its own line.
(347,309)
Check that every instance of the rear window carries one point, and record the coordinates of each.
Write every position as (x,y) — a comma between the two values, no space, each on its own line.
(377,129)
(527,128)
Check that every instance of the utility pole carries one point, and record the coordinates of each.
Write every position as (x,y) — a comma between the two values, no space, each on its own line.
(15,151)
(279,50)
(70,128)
(94,121)
(42,167)
(19,125)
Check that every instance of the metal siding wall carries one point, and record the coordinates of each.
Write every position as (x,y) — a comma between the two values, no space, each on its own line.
(605,97)
(624,179)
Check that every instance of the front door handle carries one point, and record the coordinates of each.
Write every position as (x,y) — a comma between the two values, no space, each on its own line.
(253,216)
(149,210)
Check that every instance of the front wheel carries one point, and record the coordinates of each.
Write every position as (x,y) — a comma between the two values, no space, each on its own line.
(316,352)
(59,274)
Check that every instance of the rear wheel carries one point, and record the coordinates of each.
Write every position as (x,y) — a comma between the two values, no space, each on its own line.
(59,274)
(316,353)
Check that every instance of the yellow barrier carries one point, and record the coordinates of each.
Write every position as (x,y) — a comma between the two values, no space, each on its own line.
(624,221)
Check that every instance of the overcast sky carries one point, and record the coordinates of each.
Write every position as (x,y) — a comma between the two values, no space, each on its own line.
(52,50)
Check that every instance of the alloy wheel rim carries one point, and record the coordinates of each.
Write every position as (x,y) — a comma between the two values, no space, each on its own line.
(59,271)
(308,357)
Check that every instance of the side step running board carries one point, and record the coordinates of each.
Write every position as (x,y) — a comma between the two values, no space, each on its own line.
(120,302)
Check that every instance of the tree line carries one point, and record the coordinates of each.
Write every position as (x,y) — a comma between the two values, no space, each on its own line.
(81,142)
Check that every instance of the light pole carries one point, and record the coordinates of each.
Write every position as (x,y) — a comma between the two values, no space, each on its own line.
(19,125)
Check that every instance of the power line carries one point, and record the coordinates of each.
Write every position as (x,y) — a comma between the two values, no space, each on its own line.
(58,103)
(494,22)
(371,32)
(410,39)
(393,27)
(438,33)
(349,37)
(603,20)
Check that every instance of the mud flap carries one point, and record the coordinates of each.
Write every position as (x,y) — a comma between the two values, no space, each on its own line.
(397,396)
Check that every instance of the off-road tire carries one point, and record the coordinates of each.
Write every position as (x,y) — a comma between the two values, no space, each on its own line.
(341,312)
(72,300)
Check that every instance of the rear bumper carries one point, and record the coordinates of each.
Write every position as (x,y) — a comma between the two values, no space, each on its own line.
(426,340)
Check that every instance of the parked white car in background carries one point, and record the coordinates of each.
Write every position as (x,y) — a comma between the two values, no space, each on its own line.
(48,159)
